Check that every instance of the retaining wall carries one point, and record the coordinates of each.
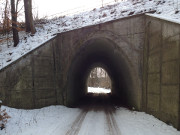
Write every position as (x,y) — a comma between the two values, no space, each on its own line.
(161,79)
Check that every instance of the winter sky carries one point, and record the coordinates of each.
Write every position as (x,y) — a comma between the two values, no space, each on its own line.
(50,7)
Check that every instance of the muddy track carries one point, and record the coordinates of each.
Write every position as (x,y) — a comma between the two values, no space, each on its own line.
(76,126)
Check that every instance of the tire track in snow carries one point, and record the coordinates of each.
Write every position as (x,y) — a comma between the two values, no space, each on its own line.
(76,125)
(113,128)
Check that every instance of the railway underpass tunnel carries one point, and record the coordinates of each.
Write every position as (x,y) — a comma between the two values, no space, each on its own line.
(100,52)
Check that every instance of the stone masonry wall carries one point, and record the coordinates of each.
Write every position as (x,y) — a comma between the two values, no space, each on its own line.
(30,82)
(161,95)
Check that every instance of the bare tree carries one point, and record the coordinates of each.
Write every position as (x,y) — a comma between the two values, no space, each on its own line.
(14,23)
(102,3)
(29,17)
(5,17)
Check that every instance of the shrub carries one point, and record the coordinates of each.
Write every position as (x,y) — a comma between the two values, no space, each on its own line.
(3,117)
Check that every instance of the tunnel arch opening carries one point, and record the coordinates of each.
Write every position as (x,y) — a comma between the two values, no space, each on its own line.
(98,81)
(105,53)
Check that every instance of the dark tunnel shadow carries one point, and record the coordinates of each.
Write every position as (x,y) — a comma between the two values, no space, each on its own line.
(104,53)
(100,102)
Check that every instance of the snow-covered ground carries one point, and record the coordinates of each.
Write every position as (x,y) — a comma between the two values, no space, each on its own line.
(94,120)
(47,29)
(98,90)
(58,120)
(39,121)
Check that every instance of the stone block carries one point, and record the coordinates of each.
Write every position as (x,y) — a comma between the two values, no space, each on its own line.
(45,102)
(153,83)
(137,41)
(56,47)
(45,50)
(45,94)
(155,26)
(2,93)
(137,24)
(43,66)
(153,102)
(23,83)
(154,63)
(171,48)
(170,99)
(57,64)
(44,83)
(170,72)
(154,34)
(20,99)
(2,78)
(123,43)
(85,32)
(154,41)
(170,29)
(18,77)
(60,98)
(121,27)
(106,26)
(42,61)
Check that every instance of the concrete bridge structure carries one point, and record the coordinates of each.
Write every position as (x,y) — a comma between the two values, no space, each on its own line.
(140,53)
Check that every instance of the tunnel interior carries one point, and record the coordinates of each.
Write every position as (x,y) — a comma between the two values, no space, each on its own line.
(104,53)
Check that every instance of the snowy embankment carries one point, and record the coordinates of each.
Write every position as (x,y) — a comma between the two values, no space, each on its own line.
(57,120)
(48,28)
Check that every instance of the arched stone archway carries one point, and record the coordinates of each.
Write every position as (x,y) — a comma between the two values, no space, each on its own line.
(107,54)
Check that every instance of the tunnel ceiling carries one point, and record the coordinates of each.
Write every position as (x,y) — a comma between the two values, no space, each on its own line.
(104,53)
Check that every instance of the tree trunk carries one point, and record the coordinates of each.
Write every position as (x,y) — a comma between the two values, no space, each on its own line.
(6,25)
(5,18)
(14,24)
(28,16)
